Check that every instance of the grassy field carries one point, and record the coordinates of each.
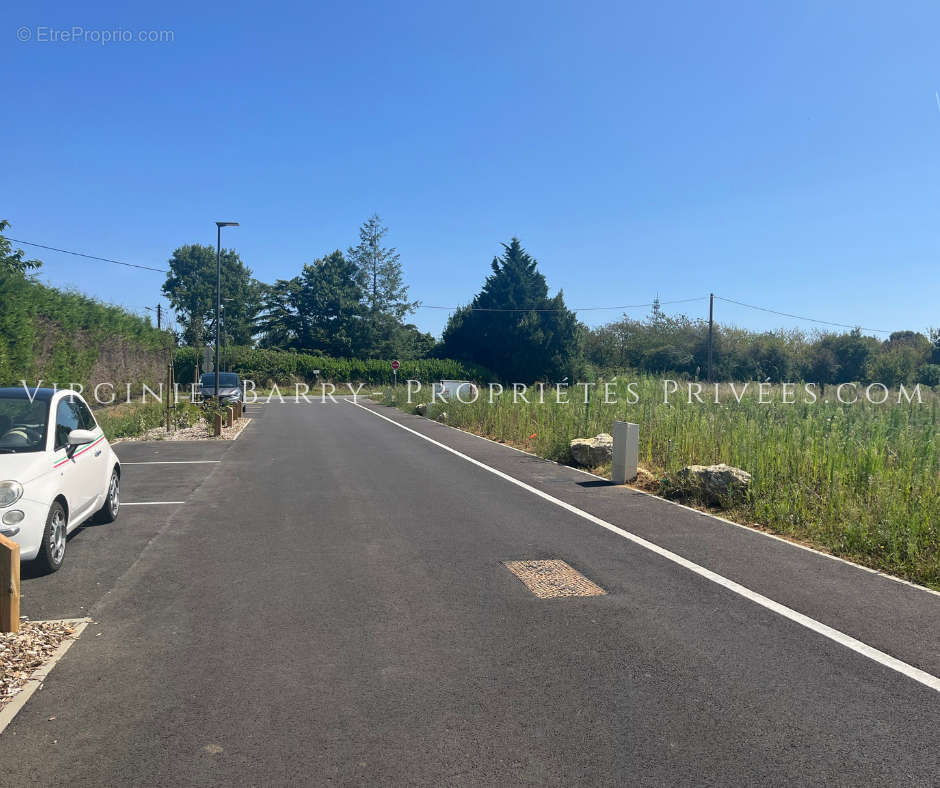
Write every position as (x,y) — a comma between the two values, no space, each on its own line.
(859,480)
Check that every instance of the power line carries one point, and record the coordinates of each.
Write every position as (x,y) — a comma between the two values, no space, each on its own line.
(486,309)
(571,309)
(421,306)
(800,317)
(89,256)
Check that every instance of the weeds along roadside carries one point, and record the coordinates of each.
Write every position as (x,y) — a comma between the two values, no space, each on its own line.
(133,419)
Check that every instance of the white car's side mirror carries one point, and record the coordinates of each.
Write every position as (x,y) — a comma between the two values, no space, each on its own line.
(80,437)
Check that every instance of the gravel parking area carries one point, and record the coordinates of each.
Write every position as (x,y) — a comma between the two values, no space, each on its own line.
(24,652)
(198,432)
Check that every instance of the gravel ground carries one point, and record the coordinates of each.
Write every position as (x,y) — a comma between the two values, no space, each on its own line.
(22,653)
(198,432)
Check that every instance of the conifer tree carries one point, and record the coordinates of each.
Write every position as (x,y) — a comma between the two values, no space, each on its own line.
(380,273)
(512,326)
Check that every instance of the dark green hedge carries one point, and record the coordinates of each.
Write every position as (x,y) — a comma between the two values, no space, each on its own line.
(58,335)
(277,366)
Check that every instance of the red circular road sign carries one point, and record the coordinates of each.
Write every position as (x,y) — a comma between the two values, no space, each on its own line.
(396,364)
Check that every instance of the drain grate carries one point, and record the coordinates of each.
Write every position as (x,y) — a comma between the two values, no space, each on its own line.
(554,578)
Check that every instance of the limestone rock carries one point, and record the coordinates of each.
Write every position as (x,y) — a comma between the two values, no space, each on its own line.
(715,484)
(591,452)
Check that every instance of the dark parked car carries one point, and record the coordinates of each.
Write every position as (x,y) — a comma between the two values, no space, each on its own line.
(230,387)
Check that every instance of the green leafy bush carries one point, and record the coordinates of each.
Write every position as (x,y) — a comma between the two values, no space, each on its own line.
(929,374)
(282,367)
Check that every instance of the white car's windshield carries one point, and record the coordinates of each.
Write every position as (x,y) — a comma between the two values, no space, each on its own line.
(227,380)
(23,424)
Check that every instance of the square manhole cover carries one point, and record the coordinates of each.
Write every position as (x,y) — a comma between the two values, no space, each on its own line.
(554,578)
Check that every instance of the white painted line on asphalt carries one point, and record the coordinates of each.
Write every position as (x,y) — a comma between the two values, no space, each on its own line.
(35,681)
(151,503)
(709,515)
(243,428)
(812,624)
(174,462)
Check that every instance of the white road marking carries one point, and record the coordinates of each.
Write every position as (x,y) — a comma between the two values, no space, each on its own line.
(174,462)
(709,515)
(151,503)
(812,624)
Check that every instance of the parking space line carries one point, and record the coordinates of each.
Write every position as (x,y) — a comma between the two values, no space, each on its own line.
(173,462)
(151,503)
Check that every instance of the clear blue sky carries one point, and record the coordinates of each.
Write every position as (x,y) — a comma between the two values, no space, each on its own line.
(786,158)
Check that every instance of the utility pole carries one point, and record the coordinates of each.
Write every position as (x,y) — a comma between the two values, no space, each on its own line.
(159,311)
(711,331)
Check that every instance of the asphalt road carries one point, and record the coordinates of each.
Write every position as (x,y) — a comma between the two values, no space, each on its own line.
(330,605)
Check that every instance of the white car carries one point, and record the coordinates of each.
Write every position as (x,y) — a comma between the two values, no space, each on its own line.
(461,390)
(57,470)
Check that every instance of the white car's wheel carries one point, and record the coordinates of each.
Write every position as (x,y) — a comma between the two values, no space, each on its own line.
(52,552)
(109,512)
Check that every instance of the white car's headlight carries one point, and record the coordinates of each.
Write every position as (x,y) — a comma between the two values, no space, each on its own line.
(10,493)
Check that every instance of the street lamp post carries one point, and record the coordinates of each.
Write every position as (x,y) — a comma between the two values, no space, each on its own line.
(224,335)
(218,299)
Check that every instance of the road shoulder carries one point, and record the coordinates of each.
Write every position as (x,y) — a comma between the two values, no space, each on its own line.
(897,618)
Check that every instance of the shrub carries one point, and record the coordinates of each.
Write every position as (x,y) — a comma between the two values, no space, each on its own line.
(929,374)
(284,368)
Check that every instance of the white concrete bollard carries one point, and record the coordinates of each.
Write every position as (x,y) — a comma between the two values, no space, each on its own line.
(626,452)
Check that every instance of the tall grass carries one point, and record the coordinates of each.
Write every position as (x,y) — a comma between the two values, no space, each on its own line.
(133,419)
(860,480)
(130,419)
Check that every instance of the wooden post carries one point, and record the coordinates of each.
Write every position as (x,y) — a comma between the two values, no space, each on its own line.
(9,585)
(217,425)
(238,410)
(229,416)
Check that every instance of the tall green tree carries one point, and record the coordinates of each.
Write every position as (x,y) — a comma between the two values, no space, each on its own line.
(191,288)
(14,262)
(380,273)
(410,343)
(324,311)
(934,335)
(854,353)
(512,326)
(278,323)
(329,306)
